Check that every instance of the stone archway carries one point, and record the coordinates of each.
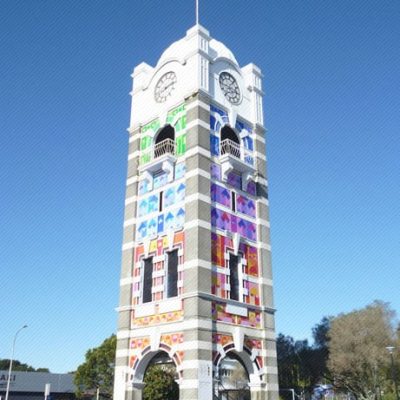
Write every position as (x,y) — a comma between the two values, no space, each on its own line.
(233,378)
(236,375)
(151,358)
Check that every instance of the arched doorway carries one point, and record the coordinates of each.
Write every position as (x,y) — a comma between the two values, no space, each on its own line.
(160,377)
(233,379)
(230,143)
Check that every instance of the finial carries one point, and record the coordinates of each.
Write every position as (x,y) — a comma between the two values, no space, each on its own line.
(197,12)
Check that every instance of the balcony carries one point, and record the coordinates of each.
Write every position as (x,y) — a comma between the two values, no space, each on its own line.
(161,156)
(233,156)
(228,146)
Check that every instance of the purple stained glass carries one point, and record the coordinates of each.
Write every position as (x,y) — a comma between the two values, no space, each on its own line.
(214,217)
(242,227)
(235,180)
(225,220)
(234,220)
(245,206)
(215,172)
(252,188)
(223,196)
(251,231)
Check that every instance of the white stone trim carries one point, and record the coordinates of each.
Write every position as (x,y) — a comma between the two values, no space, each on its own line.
(167,328)
(128,246)
(131,180)
(145,309)
(197,150)
(263,281)
(262,245)
(263,200)
(257,333)
(261,180)
(263,222)
(122,353)
(197,223)
(133,155)
(195,344)
(191,324)
(197,263)
(127,281)
(268,353)
(189,384)
(129,222)
(260,139)
(198,103)
(197,122)
(260,155)
(169,305)
(196,172)
(130,200)
(197,197)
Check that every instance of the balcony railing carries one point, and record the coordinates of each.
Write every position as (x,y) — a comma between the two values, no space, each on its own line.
(228,146)
(165,147)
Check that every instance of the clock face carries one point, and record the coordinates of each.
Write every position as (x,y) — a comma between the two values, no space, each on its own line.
(164,87)
(229,87)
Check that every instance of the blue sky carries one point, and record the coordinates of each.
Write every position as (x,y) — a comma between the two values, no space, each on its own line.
(332,84)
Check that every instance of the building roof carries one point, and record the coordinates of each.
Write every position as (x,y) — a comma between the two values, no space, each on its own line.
(184,46)
(36,382)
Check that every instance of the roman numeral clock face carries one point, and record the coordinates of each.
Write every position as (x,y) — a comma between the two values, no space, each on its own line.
(165,86)
(229,87)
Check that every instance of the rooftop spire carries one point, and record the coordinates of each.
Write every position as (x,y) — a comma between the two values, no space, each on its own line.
(197,12)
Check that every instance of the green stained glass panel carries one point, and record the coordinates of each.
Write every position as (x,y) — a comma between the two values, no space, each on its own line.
(181,124)
(152,126)
(181,145)
(145,142)
(173,113)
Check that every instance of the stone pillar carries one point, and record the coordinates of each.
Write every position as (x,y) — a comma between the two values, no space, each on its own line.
(197,371)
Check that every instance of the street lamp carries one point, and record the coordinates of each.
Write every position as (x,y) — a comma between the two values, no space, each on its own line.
(11,361)
(390,350)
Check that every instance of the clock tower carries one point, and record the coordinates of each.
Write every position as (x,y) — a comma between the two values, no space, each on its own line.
(196,283)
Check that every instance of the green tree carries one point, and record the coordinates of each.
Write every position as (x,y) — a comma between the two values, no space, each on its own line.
(358,359)
(159,384)
(19,366)
(301,366)
(97,372)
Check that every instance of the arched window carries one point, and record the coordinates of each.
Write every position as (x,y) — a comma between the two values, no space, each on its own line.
(164,141)
(168,132)
(230,143)
(228,133)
